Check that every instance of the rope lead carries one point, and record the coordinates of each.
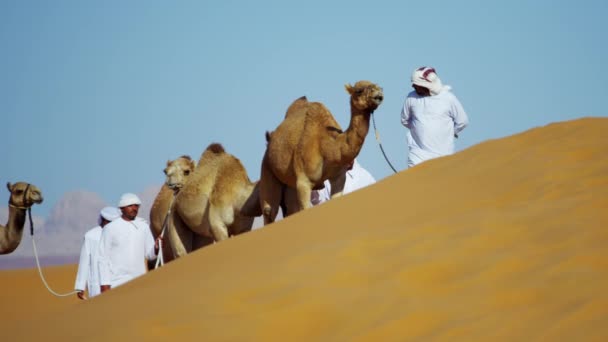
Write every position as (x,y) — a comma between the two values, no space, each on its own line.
(380,144)
(29,211)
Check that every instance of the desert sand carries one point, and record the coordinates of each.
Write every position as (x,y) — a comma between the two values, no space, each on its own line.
(506,240)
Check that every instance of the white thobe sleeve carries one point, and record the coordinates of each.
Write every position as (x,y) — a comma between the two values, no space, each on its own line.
(82,275)
(366,179)
(104,258)
(149,244)
(405,114)
(461,120)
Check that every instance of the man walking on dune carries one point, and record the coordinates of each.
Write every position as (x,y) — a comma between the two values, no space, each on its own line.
(88,267)
(125,244)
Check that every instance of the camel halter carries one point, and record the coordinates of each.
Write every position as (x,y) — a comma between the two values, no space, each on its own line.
(380,144)
(27,188)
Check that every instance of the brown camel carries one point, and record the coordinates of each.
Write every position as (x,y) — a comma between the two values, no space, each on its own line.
(216,201)
(309,147)
(23,196)
(177,170)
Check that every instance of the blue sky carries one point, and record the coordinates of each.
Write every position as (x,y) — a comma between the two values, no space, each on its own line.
(97,96)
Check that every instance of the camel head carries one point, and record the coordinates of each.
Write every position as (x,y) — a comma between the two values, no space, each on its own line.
(365,96)
(24,195)
(177,171)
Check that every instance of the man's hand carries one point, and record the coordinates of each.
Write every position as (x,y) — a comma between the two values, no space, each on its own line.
(104,288)
(81,295)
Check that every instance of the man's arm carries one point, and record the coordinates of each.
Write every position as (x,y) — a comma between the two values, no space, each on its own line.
(461,120)
(151,245)
(83,269)
(104,260)
(405,114)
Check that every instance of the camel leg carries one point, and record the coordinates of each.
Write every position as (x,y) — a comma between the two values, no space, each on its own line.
(290,204)
(304,188)
(200,241)
(270,194)
(167,251)
(180,236)
(337,185)
(242,224)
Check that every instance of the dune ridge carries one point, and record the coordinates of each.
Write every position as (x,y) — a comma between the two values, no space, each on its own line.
(506,240)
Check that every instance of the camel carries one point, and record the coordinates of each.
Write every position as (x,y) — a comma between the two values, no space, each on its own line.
(309,147)
(23,196)
(215,202)
(178,170)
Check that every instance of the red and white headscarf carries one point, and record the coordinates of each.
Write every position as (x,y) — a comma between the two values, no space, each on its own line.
(427,77)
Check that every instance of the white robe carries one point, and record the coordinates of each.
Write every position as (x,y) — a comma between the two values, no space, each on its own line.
(88,267)
(123,248)
(432,121)
(356,178)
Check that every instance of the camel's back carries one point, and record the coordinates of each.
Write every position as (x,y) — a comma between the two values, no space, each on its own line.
(199,184)
(218,174)
(231,181)
(303,121)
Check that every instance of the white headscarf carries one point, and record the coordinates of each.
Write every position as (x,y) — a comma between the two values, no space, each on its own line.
(109,213)
(128,199)
(427,77)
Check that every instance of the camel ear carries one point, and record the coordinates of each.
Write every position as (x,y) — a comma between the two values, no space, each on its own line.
(349,88)
(8,186)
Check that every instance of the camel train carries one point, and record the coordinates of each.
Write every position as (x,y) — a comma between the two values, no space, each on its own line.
(215,199)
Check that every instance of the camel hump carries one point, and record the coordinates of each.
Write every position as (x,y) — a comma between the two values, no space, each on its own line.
(216,148)
(296,105)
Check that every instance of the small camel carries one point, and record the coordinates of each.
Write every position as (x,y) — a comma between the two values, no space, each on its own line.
(216,201)
(23,196)
(178,170)
(309,147)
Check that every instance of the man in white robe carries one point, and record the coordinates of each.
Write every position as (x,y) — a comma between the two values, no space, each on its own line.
(433,115)
(125,245)
(88,267)
(356,178)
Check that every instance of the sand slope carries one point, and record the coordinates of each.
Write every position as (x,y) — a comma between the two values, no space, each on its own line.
(507,240)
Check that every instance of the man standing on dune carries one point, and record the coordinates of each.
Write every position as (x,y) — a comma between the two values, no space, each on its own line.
(88,267)
(433,115)
(125,244)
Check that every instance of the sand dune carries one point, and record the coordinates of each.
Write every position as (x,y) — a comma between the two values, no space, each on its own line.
(507,240)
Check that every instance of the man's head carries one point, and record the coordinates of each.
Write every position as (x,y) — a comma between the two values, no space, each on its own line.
(107,215)
(426,82)
(129,206)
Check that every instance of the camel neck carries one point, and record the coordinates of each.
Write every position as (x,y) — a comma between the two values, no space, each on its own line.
(355,134)
(11,236)
(16,217)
